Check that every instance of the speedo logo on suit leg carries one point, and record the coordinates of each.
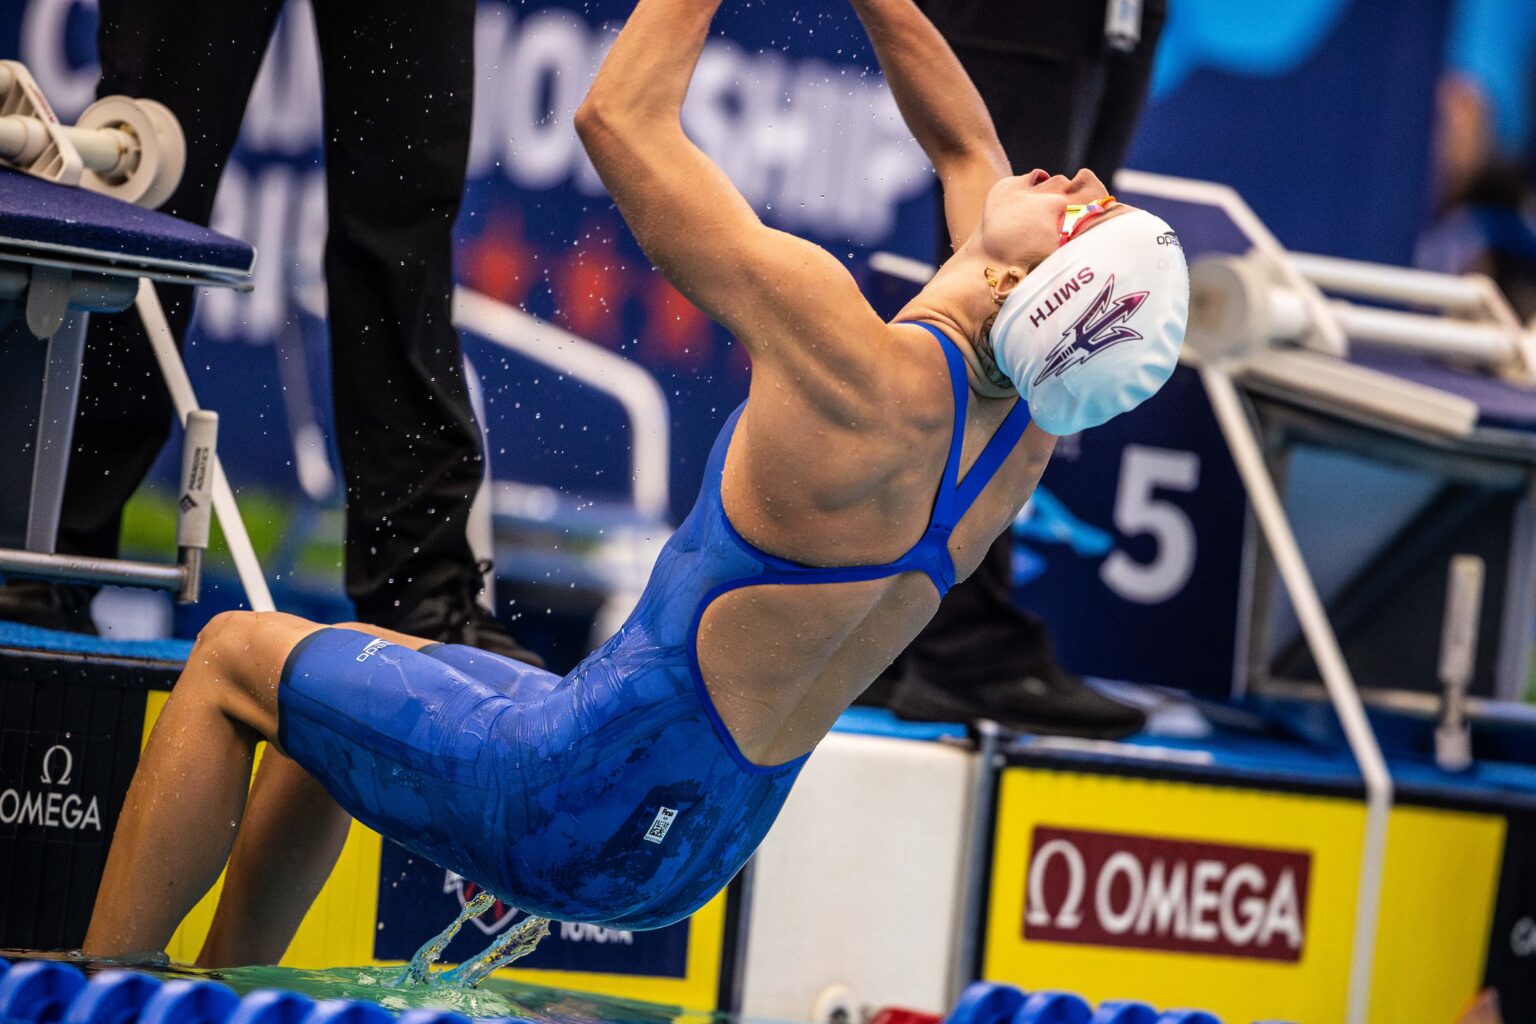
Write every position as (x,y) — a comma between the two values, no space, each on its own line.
(1100,327)
(374,647)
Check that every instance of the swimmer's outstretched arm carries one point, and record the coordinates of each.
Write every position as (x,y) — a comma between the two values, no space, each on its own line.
(791,303)
(940,105)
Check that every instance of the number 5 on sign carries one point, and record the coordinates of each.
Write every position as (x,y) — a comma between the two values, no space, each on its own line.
(1138,510)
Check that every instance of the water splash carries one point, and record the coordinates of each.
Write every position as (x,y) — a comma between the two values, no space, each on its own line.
(513,944)
(418,971)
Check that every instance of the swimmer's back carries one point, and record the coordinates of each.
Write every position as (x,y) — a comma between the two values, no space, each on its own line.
(829,475)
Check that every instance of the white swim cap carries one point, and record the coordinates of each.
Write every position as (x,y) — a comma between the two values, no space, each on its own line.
(1095,329)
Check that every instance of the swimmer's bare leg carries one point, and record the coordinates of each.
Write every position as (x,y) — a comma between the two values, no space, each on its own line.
(289,839)
(288,842)
(180,815)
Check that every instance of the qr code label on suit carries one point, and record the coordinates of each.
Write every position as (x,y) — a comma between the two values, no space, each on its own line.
(658,830)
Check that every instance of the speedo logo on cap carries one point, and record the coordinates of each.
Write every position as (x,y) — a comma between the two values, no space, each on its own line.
(1100,327)
(1058,298)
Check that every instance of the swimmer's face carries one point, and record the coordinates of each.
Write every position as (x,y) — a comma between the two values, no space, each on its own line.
(1021,218)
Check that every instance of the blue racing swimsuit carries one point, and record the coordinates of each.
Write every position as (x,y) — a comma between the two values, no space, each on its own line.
(614,795)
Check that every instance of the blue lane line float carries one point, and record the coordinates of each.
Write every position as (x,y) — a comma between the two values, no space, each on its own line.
(986,1002)
(434,1017)
(348,1011)
(38,992)
(272,1006)
(190,1002)
(112,997)
(1124,1011)
(1053,1008)
(49,992)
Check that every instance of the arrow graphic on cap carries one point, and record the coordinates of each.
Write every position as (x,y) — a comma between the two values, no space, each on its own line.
(1099,328)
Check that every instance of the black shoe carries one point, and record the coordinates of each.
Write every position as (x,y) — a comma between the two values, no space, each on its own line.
(450,619)
(61,606)
(485,631)
(1052,701)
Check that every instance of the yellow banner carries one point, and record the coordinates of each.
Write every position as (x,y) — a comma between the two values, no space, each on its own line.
(1237,901)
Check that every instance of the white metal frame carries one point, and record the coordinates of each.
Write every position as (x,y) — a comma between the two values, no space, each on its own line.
(643,401)
(1269,511)
(1326,335)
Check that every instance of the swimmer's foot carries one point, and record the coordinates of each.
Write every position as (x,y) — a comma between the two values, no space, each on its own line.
(61,606)
(1050,701)
(483,630)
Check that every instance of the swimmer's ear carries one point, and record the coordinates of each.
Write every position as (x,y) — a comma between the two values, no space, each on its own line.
(1002,282)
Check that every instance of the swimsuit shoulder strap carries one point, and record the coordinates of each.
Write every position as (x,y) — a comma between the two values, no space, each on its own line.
(945,511)
(992,457)
(956,498)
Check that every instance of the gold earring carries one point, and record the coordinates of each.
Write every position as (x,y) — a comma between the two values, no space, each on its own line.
(992,282)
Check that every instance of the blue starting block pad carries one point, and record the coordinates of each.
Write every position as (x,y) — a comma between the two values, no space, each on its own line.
(52,225)
(1500,404)
(65,252)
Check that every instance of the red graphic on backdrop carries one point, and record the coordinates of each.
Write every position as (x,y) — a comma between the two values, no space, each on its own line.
(1143,892)
(600,294)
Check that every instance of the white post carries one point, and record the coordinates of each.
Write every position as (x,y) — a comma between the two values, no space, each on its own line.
(180,386)
(1324,646)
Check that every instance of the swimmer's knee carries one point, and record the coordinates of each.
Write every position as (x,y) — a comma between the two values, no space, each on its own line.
(242,637)
(220,630)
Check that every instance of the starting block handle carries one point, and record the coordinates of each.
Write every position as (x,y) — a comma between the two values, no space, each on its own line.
(195,505)
(1458,661)
(152,315)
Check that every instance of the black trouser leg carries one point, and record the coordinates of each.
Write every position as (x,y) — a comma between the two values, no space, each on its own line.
(1060,102)
(200,60)
(1127,79)
(398,85)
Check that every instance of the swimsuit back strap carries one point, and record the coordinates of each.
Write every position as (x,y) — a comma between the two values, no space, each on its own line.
(992,457)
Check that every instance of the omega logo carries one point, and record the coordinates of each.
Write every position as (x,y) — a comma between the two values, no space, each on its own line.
(1109,889)
(66,758)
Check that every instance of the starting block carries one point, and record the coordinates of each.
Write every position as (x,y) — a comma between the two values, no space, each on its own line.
(129,149)
(66,252)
